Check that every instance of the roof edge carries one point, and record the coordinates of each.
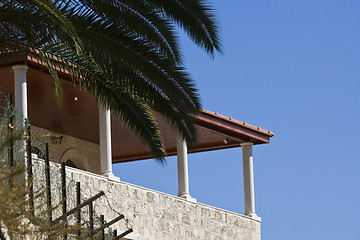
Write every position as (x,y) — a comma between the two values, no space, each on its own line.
(242,124)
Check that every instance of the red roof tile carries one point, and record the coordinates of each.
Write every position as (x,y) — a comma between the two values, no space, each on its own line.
(243,124)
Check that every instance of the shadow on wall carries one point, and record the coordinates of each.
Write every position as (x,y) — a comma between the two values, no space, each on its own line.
(74,158)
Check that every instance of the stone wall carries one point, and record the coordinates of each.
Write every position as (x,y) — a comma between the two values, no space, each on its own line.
(153,215)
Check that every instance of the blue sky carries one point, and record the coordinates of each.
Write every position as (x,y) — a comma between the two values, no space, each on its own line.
(291,67)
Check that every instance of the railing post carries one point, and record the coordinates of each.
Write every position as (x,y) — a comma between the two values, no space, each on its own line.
(91,216)
(103,230)
(11,132)
(78,201)
(63,191)
(48,182)
(29,172)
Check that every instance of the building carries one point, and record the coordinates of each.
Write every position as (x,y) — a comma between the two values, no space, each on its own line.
(90,140)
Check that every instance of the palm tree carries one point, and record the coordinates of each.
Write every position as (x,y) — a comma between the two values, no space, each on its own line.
(124,52)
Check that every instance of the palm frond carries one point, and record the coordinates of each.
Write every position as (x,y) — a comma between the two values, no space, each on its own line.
(124,52)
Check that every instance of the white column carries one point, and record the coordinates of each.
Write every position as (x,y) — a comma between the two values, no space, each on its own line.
(105,143)
(20,89)
(183,174)
(248,169)
(21,110)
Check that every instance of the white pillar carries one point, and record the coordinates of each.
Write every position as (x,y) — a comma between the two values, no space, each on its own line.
(105,143)
(248,169)
(20,89)
(183,174)
(21,110)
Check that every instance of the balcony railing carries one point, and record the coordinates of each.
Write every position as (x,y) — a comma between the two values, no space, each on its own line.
(150,214)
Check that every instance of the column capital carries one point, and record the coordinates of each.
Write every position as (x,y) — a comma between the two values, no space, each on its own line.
(246,144)
(19,67)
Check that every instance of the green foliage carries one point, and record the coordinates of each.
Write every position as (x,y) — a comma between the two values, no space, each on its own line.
(22,216)
(16,220)
(124,52)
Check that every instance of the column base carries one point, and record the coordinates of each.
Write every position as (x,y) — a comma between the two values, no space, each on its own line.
(110,176)
(253,216)
(187,197)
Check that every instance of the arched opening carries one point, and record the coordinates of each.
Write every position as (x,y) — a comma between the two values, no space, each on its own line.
(70,163)
(74,158)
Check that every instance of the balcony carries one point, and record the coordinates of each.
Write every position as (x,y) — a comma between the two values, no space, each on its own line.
(87,137)
(150,214)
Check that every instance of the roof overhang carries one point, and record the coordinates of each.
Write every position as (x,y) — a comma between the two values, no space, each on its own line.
(79,118)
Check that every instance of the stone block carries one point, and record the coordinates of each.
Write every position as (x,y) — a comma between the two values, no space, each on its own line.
(154,215)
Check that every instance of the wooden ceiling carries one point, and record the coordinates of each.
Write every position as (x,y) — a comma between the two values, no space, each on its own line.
(78,117)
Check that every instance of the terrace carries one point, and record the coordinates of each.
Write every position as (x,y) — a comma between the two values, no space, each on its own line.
(89,139)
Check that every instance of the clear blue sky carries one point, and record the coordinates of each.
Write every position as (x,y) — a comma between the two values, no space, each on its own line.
(291,67)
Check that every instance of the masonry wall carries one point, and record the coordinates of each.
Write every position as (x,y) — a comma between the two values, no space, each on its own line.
(152,215)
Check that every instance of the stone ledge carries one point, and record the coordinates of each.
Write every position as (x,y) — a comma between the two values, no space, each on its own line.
(70,169)
(154,215)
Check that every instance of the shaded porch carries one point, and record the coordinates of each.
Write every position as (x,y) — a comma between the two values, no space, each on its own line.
(92,139)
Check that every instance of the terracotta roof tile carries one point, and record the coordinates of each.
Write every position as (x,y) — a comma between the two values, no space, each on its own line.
(244,124)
